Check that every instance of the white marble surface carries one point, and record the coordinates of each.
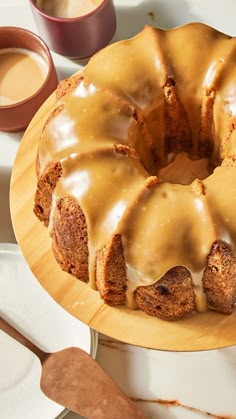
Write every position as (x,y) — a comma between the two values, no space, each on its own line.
(164,384)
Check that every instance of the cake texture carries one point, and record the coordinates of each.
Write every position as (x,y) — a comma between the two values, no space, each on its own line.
(164,247)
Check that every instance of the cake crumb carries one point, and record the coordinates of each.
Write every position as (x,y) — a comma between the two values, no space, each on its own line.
(152,15)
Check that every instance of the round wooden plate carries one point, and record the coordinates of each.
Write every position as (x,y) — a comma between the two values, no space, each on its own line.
(201,332)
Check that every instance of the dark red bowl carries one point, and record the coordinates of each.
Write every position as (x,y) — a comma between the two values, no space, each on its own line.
(16,117)
(77,37)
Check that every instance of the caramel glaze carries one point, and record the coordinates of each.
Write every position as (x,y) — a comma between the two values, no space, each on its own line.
(121,101)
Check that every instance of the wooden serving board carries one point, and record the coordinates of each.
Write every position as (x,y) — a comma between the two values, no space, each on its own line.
(203,331)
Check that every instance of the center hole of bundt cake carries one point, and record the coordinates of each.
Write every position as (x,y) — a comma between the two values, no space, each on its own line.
(183,170)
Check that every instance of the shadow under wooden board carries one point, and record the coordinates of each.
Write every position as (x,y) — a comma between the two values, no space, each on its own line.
(201,332)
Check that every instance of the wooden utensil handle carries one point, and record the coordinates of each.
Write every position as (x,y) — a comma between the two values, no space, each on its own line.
(11,331)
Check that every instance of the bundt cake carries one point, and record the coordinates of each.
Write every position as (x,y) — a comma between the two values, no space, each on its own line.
(164,246)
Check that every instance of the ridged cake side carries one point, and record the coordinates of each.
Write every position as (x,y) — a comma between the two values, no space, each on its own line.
(167,249)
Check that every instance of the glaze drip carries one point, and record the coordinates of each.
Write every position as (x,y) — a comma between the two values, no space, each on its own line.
(113,132)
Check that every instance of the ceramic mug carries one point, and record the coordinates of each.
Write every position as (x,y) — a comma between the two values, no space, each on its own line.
(77,37)
(15,117)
